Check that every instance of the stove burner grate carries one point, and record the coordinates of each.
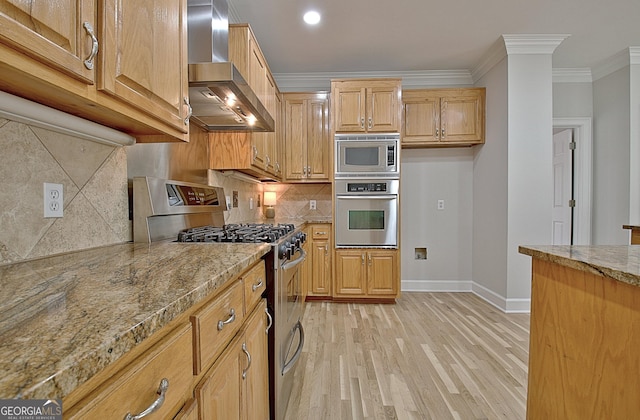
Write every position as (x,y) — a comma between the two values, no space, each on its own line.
(245,233)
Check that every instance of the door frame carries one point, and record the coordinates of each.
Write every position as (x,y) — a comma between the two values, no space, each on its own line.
(583,177)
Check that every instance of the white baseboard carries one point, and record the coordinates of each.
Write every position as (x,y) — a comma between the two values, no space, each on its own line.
(500,302)
(436,286)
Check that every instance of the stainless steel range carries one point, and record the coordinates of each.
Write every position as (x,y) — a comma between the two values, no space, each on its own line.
(187,212)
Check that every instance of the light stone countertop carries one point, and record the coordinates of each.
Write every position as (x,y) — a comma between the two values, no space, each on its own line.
(65,318)
(618,262)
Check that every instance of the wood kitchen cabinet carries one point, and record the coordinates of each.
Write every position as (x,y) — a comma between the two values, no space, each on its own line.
(115,63)
(320,246)
(213,372)
(443,117)
(366,105)
(255,153)
(237,385)
(367,273)
(307,145)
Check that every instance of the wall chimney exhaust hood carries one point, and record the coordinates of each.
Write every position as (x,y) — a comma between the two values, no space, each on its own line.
(220,97)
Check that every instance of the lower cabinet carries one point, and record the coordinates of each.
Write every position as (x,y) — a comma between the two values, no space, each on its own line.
(237,385)
(211,363)
(367,273)
(319,279)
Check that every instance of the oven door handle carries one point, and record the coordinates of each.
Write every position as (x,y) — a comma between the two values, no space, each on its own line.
(288,365)
(295,262)
(367,197)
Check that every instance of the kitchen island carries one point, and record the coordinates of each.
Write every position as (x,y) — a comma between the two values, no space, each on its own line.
(65,318)
(585,332)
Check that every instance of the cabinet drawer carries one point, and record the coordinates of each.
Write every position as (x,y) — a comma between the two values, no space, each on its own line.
(255,283)
(136,387)
(320,232)
(215,325)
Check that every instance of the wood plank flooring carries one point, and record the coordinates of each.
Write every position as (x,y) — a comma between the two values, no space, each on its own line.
(429,356)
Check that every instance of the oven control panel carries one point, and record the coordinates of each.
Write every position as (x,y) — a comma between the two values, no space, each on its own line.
(367,187)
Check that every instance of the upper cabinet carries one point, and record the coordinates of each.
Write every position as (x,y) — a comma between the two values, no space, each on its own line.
(366,105)
(307,145)
(58,33)
(255,153)
(111,62)
(443,117)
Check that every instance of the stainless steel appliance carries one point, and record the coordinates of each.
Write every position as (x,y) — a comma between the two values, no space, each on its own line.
(220,97)
(366,212)
(367,155)
(188,212)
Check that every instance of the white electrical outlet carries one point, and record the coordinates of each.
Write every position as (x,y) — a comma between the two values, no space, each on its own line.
(228,197)
(53,200)
(440,204)
(250,203)
(312,204)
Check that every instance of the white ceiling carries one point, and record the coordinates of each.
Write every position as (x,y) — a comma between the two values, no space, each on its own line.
(423,35)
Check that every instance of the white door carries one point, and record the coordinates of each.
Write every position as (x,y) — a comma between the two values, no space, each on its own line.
(562,187)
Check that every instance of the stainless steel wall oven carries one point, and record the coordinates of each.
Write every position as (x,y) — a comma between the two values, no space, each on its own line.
(366,212)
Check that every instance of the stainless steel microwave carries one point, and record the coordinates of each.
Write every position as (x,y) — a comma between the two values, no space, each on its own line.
(367,155)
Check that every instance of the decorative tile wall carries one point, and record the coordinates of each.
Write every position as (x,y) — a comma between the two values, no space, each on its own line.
(94,178)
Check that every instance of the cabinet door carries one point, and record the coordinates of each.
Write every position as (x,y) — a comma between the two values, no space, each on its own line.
(218,394)
(350,108)
(382,270)
(295,150)
(256,373)
(350,272)
(462,118)
(421,119)
(320,269)
(52,32)
(143,57)
(382,109)
(318,142)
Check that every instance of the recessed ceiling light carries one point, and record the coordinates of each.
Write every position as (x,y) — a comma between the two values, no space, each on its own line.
(312,17)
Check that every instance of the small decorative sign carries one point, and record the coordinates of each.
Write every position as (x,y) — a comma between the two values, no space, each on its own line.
(30,409)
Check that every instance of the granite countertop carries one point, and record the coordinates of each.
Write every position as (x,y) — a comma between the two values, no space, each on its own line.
(618,262)
(64,318)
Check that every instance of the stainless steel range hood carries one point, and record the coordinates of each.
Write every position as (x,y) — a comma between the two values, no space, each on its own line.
(220,97)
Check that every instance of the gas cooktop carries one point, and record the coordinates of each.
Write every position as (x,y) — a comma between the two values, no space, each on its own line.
(244,232)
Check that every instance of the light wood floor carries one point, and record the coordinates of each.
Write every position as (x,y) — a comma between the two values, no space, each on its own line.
(429,356)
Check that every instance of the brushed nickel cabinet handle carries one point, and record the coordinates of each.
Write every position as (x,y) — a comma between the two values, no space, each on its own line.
(155,406)
(437,133)
(369,259)
(255,154)
(232,317)
(257,285)
(362,256)
(246,352)
(88,63)
(189,112)
(370,122)
(361,122)
(270,318)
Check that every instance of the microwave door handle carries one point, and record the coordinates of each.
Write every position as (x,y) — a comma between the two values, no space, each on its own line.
(367,197)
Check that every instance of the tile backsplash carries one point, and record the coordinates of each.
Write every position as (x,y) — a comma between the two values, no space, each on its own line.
(94,179)
(96,204)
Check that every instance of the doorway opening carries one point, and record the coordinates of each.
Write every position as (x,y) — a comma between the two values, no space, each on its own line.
(576,187)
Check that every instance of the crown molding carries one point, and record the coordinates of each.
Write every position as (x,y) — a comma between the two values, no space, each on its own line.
(532,43)
(626,57)
(572,75)
(497,52)
(321,81)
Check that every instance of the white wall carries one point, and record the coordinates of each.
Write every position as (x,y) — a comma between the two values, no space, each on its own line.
(490,192)
(572,100)
(429,175)
(634,146)
(611,116)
